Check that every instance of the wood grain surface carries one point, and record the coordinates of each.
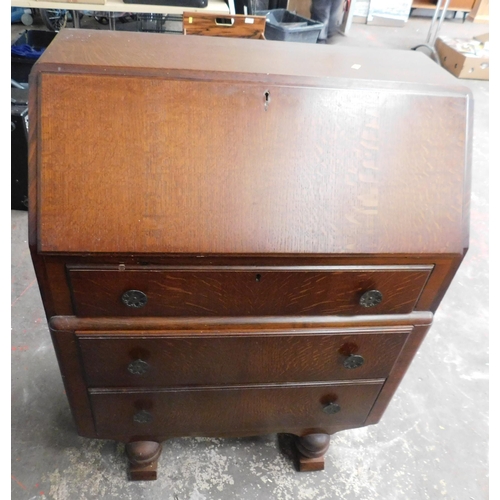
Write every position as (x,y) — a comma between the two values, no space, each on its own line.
(239,26)
(237,359)
(247,410)
(58,299)
(147,54)
(321,171)
(253,193)
(68,357)
(399,370)
(245,292)
(68,331)
(249,324)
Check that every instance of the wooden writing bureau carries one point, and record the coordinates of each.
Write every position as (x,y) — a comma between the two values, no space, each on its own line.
(238,237)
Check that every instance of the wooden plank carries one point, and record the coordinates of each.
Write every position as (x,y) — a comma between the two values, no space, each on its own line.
(455,5)
(481,12)
(237,26)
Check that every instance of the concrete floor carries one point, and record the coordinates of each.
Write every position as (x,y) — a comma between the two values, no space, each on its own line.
(432,442)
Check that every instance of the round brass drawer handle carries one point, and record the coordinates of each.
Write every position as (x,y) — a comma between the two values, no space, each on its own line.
(134,298)
(371,298)
(143,417)
(354,361)
(138,367)
(331,408)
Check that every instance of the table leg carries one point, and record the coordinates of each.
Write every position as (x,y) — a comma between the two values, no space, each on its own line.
(76,19)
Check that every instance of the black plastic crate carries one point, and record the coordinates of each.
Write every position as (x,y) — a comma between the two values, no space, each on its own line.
(37,40)
(281,24)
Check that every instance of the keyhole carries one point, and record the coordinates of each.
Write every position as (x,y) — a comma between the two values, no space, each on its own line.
(267,99)
(257,277)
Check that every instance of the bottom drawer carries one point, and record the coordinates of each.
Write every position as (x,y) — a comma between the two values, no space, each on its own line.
(225,411)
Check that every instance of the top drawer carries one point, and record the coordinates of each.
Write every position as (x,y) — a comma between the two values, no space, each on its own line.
(245,291)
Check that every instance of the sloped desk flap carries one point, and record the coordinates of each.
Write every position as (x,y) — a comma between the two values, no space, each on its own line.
(129,164)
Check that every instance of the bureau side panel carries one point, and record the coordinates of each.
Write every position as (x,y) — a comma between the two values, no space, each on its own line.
(399,369)
(33,162)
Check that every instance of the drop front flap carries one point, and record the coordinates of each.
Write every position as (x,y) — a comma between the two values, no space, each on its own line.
(216,167)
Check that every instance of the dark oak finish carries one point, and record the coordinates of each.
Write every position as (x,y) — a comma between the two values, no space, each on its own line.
(247,410)
(58,296)
(306,464)
(146,472)
(146,54)
(60,302)
(143,457)
(278,324)
(398,371)
(63,330)
(244,292)
(235,238)
(65,345)
(229,358)
(311,451)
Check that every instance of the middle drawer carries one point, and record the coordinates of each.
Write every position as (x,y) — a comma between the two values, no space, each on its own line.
(133,359)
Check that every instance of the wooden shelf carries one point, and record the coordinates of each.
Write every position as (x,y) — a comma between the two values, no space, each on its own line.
(455,5)
(216,6)
(481,12)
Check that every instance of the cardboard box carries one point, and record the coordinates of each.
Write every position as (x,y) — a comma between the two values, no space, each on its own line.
(483,38)
(389,12)
(465,58)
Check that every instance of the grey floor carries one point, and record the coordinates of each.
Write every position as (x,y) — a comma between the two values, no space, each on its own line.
(432,442)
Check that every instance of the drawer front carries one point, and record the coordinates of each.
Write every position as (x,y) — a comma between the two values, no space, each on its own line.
(245,410)
(243,292)
(158,360)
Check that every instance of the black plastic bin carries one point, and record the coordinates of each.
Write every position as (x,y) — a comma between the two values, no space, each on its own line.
(20,67)
(281,24)
(19,157)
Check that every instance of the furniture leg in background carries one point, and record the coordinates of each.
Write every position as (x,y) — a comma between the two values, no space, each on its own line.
(432,34)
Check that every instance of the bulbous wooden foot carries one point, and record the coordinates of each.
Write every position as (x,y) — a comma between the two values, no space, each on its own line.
(311,451)
(143,457)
